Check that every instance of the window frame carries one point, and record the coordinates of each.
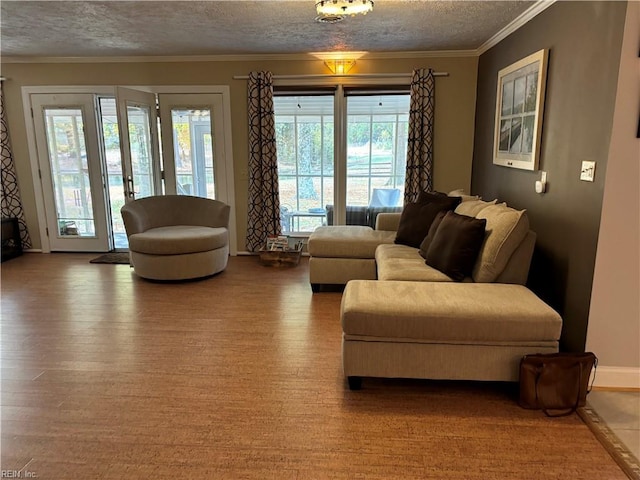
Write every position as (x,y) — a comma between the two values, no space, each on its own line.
(340,85)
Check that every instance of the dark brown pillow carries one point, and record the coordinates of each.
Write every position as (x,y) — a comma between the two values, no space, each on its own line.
(424,246)
(417,217)
(424,197)
(456,244)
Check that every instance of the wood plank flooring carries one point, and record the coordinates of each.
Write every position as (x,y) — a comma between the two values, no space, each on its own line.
(108,376)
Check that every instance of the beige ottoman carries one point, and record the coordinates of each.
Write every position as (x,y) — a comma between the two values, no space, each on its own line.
(440,330)
(342,253)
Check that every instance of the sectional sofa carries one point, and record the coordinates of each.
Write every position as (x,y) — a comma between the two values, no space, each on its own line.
(402,317)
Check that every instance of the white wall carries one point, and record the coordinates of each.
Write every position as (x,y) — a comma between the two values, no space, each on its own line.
(614,318)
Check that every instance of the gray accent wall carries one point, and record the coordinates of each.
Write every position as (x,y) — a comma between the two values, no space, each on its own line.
(584,41)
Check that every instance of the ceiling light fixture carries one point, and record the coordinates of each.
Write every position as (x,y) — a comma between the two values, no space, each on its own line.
(339,66)
(343,7)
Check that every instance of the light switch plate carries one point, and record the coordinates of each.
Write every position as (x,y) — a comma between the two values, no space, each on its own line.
(588,171)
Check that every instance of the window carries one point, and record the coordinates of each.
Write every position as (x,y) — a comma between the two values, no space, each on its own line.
(304,141)
(376,147)
(376,125)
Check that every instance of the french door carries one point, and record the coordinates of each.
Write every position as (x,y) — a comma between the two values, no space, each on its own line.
(192,146)
(137,122)
(89,170)
(97,151)
(71,172)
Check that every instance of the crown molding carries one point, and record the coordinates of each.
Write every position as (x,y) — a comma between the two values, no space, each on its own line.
(159,59)
(233,58)
(421,54)
(539,7)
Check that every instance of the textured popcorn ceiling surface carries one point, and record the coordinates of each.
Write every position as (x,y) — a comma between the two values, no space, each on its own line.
(113,28)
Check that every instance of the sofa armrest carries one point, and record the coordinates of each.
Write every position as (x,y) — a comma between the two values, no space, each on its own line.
(388,221)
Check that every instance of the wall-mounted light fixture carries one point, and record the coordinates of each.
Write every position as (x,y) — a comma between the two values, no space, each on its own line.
(339,66)
(340,63)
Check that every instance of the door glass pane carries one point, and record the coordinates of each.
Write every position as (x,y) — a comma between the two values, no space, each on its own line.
(111,145)
(193,152)
(376,155)
(304,142)
(140,145)
(69,172)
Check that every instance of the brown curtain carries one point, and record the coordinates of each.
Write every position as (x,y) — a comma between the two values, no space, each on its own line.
(11,204)
(264,199)
(420,149)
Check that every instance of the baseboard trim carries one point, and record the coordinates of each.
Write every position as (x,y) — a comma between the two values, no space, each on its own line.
(617,377)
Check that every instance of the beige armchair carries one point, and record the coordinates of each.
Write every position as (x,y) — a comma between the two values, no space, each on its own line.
(177,237)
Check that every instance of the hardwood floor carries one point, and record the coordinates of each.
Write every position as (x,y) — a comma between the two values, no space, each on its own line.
(108,376)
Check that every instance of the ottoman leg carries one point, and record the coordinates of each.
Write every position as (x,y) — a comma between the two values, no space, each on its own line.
(355,383)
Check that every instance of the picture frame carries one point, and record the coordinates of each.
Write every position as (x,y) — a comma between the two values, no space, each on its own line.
(519,112)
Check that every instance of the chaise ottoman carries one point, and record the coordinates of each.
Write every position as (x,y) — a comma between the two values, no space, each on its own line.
(442,330)
(344,252)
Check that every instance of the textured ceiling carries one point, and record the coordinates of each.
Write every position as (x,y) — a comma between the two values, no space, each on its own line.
(141,28)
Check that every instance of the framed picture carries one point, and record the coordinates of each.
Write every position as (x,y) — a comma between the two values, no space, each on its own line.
(519,112)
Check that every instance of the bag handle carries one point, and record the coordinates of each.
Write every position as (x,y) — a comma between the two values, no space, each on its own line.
(593,380)
(571,409)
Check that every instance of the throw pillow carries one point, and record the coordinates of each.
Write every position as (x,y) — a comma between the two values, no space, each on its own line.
(424,246)
(460,193)
(424,197)
(455,245)
(506,228)
(416,218)
(472,208)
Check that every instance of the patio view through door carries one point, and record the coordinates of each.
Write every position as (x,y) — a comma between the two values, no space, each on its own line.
(140,155)
(70,169)
(98,151)
(192,146)
(138,126)
(90,166)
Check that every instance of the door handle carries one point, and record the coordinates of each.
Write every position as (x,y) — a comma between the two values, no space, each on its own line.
(130,192)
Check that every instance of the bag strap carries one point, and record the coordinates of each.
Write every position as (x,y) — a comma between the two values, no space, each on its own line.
(541,402)
(595,367)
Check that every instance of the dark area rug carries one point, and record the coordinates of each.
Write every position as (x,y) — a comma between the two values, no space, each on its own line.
(112,257)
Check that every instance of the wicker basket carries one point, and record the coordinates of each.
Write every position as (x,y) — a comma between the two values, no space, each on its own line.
(280,258)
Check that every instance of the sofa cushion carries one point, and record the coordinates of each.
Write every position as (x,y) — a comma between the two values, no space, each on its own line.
(403,263)
(178,240)
(472,207)
(447,312)
(505,230)
(455,245)
(417,217)
(424,246)
(347,241)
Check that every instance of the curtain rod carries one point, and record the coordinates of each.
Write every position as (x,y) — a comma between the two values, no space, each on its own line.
(355,75)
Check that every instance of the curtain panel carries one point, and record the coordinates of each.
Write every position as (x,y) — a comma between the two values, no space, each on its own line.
(264,198)
(11,203)
(420,142)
